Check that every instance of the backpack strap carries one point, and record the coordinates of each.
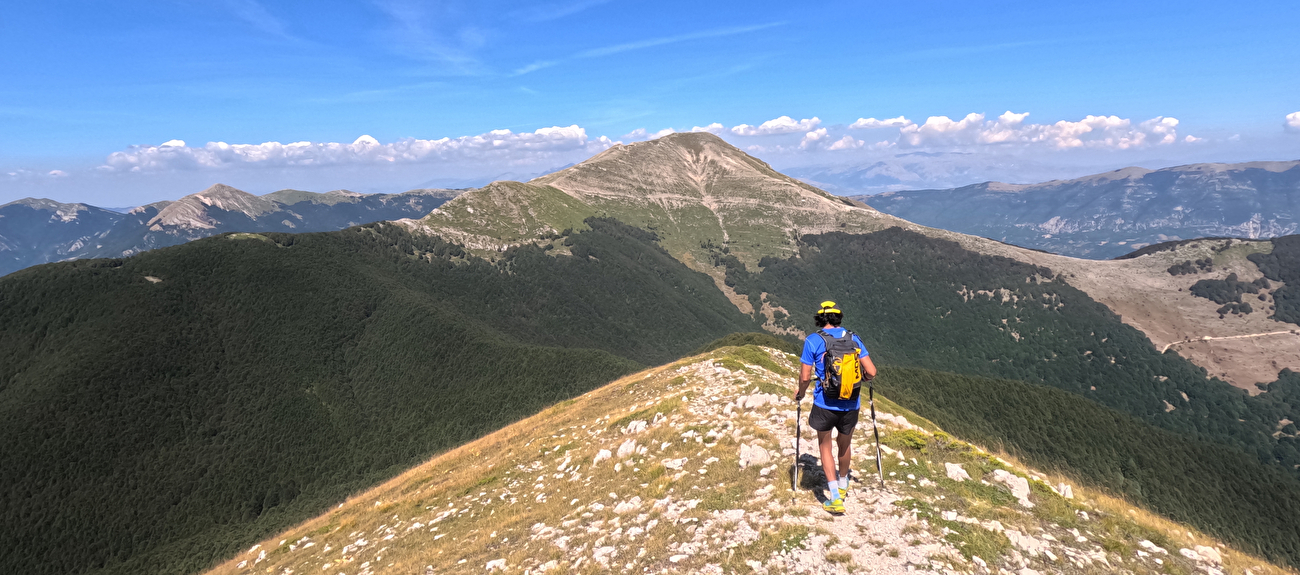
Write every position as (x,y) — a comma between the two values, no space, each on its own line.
(826,343)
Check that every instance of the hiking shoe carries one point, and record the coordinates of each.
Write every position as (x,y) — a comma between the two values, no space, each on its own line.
(834,506)
(844,493)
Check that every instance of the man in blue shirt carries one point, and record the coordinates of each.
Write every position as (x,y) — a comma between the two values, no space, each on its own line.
(829,411)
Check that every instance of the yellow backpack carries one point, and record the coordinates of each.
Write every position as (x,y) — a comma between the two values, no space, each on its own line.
(843,366)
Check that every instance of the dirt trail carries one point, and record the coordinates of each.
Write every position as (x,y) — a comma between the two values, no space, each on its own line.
(1209,338)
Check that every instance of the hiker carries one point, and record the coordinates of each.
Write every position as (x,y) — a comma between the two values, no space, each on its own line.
(830,353)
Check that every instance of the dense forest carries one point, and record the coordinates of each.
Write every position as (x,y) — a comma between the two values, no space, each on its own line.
(924,302)
(1217,489)
(161,411)
(1283,265)
(1228,291)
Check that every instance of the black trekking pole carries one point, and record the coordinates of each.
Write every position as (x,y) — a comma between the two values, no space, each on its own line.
(880,466)
(794,473)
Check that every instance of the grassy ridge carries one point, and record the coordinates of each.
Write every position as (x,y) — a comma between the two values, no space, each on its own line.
(162,425)
(1219,490)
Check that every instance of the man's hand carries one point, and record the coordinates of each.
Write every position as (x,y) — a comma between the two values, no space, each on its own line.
(805,378)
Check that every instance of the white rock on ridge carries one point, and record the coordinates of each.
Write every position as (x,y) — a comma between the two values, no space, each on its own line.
(635,427)
(674,463)
(627,448)
(601,456)
(1209,554)
(1152,547)
(628,506)
(1065,490)
(602,555)
(753,455)
(1019,485)
(756,401)
(496,564)
(956,472)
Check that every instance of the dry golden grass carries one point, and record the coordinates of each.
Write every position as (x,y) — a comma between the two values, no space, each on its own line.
(495,499)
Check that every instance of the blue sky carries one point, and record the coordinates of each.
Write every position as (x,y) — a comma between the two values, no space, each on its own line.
(92,89)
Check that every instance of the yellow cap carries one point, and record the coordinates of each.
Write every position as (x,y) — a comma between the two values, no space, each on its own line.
(828,307)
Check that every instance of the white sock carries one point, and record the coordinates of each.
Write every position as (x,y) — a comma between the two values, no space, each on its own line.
(844,483)
(833,486)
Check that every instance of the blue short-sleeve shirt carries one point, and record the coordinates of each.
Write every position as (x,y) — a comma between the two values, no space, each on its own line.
(814,348)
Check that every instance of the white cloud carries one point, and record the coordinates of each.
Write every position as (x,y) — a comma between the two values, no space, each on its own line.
(57,174)
(1292,123)
(499,146)
(1190,139)
(868,123)
(846,143)
(1103,132)
(811,139)
(643,134)
(782,125)
(714,128)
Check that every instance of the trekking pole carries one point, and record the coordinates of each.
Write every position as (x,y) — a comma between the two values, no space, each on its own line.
(880,466)
(794,474)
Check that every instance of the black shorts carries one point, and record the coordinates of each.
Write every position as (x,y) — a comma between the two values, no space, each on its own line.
(827,419)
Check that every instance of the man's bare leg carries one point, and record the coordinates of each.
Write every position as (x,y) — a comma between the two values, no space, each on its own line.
(844,442)
(828,459)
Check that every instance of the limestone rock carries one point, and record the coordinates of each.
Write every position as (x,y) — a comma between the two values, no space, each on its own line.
(627,448)
(674,463)
(601,456)
(1065,490)
(1210,554)
(496,564)
(956,472)
(1019,485)
(753,455)
(634,427)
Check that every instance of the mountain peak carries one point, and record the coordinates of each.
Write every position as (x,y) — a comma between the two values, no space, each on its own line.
(192,211)
(696,191)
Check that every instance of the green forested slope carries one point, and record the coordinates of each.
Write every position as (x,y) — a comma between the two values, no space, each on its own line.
(155,427)
(1283,265)
(1217,489)
(924,302)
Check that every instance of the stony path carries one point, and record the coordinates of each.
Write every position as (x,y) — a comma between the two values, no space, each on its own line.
(684,469)
(1211,338)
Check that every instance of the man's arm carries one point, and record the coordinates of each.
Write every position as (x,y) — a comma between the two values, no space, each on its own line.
(868,367)
(805,378)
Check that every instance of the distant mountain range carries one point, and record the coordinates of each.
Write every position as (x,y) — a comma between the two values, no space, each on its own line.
(1110,214)
(36,231)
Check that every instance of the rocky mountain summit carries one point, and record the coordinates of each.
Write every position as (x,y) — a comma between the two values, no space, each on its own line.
(686,468)
(36,231)
(1110,214)
(696,191)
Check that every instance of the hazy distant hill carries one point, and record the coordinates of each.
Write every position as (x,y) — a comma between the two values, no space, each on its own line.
(1108,215)
(34,231)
